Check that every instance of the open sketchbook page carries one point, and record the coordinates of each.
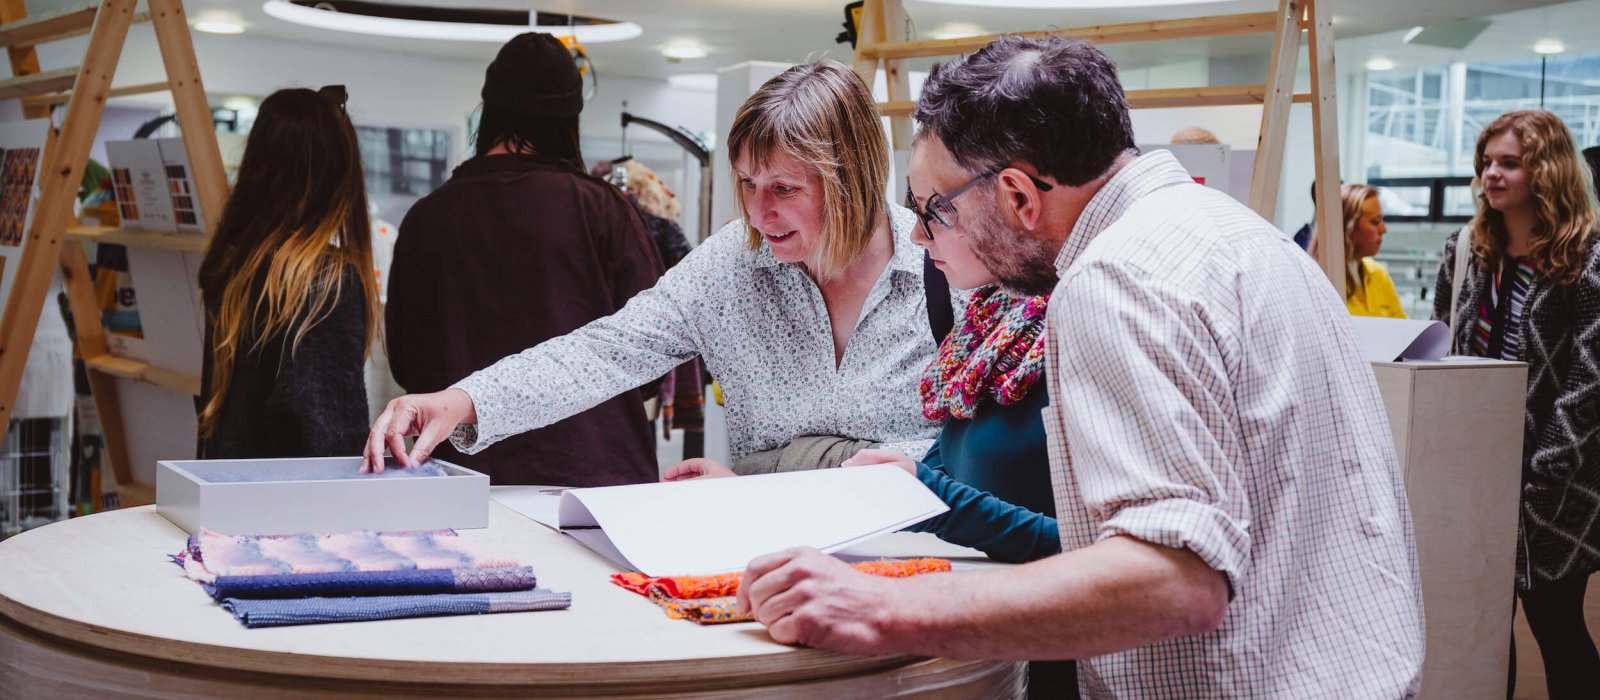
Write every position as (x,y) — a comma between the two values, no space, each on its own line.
(708,526)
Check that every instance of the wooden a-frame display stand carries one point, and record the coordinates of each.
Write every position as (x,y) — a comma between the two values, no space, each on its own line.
(881,40)
(84,90)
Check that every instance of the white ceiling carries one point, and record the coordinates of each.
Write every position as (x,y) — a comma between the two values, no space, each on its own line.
(734,31)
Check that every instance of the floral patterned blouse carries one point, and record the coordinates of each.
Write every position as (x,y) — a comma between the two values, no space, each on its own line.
(763,331)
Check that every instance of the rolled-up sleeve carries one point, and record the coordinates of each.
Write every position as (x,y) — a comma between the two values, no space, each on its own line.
(1154,458)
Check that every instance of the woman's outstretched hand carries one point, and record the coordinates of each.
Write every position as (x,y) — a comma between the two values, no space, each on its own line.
(430,417)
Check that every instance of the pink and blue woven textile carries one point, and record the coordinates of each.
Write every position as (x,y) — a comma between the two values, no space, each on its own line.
(210,554)
(373,583)
(304,611)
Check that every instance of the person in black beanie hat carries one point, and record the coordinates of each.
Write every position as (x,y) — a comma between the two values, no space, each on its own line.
(521,245)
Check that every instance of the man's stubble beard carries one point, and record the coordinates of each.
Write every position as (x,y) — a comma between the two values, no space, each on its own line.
(1023,263)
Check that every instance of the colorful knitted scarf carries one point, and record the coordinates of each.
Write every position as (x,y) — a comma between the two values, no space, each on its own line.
(997,350)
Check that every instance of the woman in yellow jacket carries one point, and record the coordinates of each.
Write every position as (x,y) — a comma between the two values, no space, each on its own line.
(1368,289)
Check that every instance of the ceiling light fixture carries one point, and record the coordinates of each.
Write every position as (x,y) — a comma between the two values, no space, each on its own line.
(956,30)
(217,26)
(1072,4)
(683,51)
(702,82)
(1548,47)
(1379,64)
(1411,34)
(448,24)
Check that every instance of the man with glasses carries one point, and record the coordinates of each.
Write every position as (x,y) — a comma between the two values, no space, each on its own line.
(1233,522)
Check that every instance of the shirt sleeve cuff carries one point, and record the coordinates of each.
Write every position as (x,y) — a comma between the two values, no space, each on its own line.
(474,438)
(1205,530)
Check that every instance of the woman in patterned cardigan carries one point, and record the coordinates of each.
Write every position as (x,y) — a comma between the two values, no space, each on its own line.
(1531,293)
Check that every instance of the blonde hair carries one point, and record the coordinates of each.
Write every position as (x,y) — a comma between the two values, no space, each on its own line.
(1563,196)
(1352,197)
(654,196)
(821,114)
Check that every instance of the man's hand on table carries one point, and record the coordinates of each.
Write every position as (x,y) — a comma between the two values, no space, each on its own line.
(806,597)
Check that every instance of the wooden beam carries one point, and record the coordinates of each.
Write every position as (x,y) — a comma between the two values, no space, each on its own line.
(62,97)
(165,240)
(1275,116)
(137,370)
(1211,96)
(1218,25)
(49,26)
(24,59)
(60,172)
(194,113)
(868,36)
(1164,98)
(896,82)
(38,83)
(91,340)
(1325,130)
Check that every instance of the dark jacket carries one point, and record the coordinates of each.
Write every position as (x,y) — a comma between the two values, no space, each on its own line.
(1560,330)
(511,252)
(312,403)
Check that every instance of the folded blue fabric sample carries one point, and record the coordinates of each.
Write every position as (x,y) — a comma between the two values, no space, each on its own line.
(373,583)
(277,612)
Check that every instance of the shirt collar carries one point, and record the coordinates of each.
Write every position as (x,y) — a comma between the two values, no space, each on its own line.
(907,256)
(1143,175)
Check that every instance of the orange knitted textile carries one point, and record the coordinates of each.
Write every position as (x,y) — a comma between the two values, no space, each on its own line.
(709,599)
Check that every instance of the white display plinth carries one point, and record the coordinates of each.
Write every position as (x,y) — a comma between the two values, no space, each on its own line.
(316,495)
(1458,434)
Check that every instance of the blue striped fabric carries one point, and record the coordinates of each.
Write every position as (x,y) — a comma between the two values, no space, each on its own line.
(373,583)
(255,613)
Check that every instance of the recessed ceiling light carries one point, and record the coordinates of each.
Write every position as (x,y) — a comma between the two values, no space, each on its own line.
(1549,46)
(1379,64)
(418,22)
(683,51)
(1072,4)
(703,82)
(217,26)
(957,30)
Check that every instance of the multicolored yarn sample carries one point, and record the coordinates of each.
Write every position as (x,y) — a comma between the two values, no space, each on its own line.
(709,600)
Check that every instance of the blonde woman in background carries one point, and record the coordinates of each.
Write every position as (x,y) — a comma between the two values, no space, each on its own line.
(1368,289)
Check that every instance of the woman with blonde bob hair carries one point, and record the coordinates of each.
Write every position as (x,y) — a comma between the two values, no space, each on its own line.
(1525,286)
(1368,289)
(809,309)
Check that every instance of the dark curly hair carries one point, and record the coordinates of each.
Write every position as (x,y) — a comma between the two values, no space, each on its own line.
(1052,102)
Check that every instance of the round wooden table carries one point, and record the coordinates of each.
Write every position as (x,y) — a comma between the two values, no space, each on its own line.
(93,607)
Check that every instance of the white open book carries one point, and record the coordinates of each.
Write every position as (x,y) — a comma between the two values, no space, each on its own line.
(708,526)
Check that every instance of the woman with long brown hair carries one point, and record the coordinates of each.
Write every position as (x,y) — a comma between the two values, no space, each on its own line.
(1368,289)
(290,295)
(1528,289)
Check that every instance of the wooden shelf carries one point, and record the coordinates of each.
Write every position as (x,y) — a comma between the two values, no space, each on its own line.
(192,242)
(145,372)
(1164,98)
(39,83)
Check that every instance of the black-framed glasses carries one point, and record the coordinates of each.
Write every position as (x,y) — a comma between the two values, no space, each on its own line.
(939,207)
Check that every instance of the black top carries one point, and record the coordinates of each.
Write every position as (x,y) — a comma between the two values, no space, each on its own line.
(312,403)
(511,252)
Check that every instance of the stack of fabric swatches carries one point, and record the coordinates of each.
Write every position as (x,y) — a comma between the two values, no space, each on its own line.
(275,580)
(710,600)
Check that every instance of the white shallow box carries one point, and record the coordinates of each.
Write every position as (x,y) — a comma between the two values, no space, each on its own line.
(315,495)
